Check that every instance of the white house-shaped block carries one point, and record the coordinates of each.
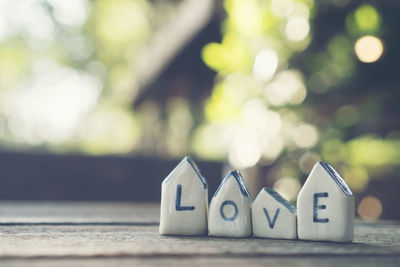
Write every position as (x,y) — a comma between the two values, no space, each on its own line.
(325,207)
(229,213)
(273,216)
(184,201)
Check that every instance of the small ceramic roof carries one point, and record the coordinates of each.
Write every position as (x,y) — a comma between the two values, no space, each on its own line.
(337,178)
(238,177)
(280,199)
(193,165)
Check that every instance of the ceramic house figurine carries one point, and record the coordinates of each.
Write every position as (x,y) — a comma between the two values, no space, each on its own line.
(229,213)
(325,207)
(273,216)
(184,201)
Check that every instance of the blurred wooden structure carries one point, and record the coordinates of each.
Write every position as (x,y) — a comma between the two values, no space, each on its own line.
(28,176)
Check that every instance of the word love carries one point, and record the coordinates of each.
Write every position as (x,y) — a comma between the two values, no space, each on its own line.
(325,207)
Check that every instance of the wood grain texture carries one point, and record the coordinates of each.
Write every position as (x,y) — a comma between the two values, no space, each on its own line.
(104,234)
(220,261)
(14,212)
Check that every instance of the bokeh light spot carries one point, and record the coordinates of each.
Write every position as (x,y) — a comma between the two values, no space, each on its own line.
(305,135)
(265,64)
(368,49)
(370,208)
(70,13)
(288,187)
(357,178)
(319,82)
(273,148)
(347,116)
(367,18)
(245,151)
(307,161)
(281,8)
(297,28)
(287,87)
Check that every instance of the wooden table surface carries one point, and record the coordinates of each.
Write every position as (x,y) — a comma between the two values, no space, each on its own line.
(124,234)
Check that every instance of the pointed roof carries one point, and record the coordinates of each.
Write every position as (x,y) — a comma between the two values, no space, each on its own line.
(280,199)
(336,178)
(238,177)
(188,159)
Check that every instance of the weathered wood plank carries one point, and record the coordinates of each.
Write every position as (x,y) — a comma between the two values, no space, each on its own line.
(363,261)
(100,234)
(144,241)
(78,212)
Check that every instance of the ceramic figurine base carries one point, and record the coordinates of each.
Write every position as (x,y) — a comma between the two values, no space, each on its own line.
(273,216)
(325,207)
(229,213)
(184,201)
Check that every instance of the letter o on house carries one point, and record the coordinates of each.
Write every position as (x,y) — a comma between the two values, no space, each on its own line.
(222,212)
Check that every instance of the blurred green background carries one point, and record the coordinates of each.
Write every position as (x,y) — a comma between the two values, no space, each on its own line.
(255,84)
